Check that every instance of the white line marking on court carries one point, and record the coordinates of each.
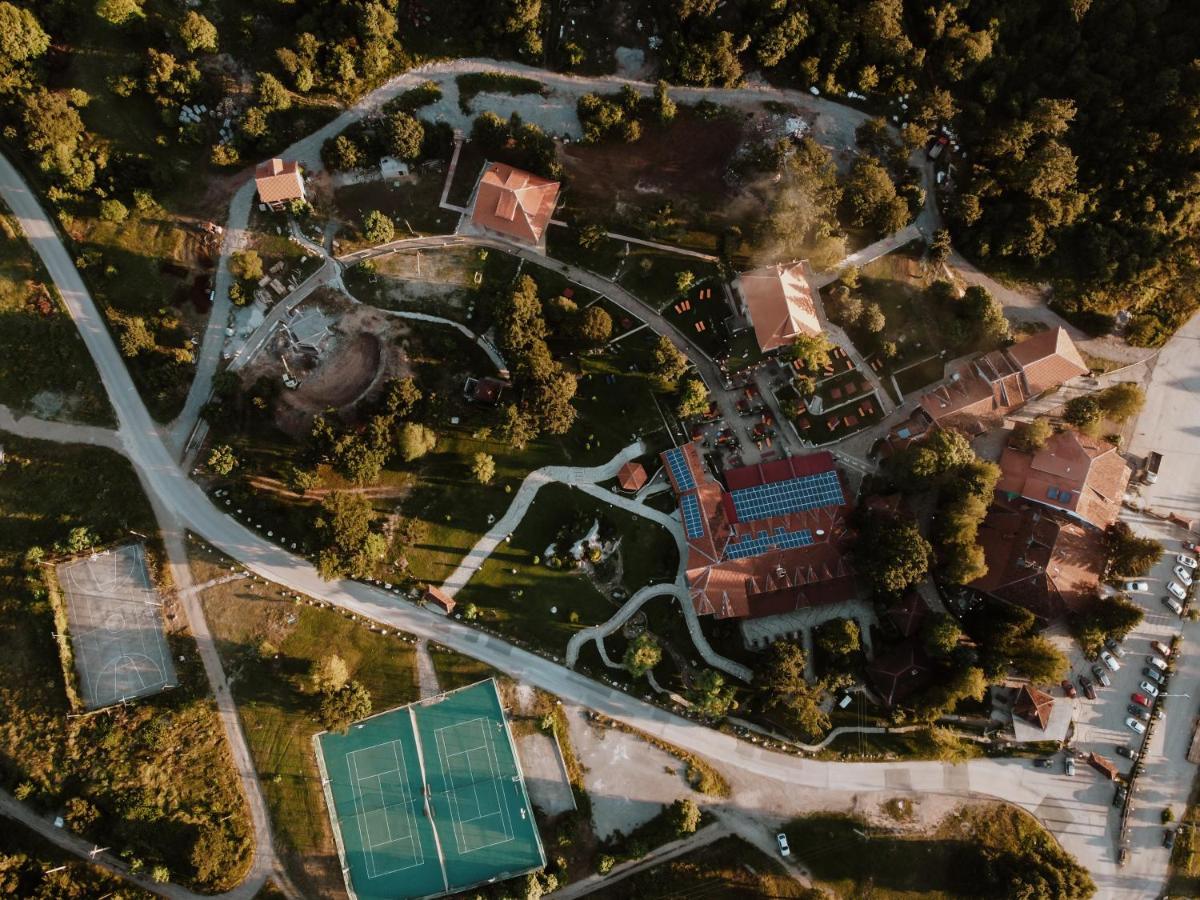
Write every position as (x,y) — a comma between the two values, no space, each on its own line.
(358,795)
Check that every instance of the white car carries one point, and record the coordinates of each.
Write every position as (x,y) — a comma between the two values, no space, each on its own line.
(1148,688)
(784,849)
(1184,560)
(1184,575)
(1173,605)
(1137,585)
(1108,660)
(1135,725)
(1176,590)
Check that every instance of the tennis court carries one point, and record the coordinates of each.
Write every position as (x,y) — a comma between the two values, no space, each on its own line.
(115,619)
(429,798)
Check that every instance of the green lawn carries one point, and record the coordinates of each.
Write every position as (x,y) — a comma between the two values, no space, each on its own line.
(977,851)
(268,645)
(516,594)
(40,348)
(153,780)
(651,275)
(411,202)
(921,374)
(730,868)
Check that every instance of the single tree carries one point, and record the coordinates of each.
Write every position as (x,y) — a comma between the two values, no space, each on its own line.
(415,441)
(246,265)
(113,210)
(1084,413)
(669,362)
(222,460)
(663,104)
(813,352)
(1131,554)
(684,816)
(198,33)
(940,634)
(693,399)
(892,555)
(118,12)
(405,135)
(1121,401)
(642,654)
(402,397)
(483,467)
(517,428)
(594,325)
(348,705)
(684,281)
(710,695)
(873,319)
(329,674)
(271,93)
(838,637)
(1031,436)
(377,227)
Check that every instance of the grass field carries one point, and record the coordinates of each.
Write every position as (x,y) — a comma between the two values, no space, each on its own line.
(517,594)
(268,644)
(974,852)
(153,780)
(40,350)
(729,868)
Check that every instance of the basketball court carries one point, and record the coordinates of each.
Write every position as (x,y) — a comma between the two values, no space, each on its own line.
(429,798)
(115,619)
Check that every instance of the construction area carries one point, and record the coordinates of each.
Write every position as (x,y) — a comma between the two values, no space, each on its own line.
(328,353)
(114,615)
(429,799)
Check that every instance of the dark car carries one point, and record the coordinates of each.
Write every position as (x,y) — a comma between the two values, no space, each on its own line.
(1138,713)
(1043,763)
(1126,752)
(1119,796)
(1115,648)
(1101,675)
(1153,674)
(1086,684)
(1168,838)
(1069,689)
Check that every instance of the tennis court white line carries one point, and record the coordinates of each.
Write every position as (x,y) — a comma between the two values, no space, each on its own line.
(364,831)
(457,820)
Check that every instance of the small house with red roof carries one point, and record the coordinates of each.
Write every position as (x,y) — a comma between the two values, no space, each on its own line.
(279,182)
(437,597)
(514,203)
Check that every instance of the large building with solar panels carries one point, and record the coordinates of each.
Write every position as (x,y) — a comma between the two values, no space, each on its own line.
(769,540)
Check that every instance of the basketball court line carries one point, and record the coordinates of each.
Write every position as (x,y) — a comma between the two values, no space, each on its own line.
(364,828)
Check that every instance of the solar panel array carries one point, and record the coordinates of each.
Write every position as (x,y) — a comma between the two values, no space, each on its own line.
(762,542)
(693,522)
(680,472)
(782,497)
(1061,495)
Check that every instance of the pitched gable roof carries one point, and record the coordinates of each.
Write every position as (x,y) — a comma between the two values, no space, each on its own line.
(1048,359)
(513,202)
(780,303)
(1033,706)
(1072,472)
(279,181)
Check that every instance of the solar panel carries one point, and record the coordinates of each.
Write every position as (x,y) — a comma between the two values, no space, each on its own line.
(762,542)
(693,522)
(1052,493)
(680,471)
(782,497)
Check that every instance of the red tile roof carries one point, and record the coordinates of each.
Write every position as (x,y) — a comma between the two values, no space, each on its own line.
(1002,380)
(1039,560)
(279,181)
(780,303)
(516,203)
(632,476)
(1033,706)
(1081,475)
(438,597)
(775,580)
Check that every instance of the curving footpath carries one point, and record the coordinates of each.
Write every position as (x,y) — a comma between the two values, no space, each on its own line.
(1083,829)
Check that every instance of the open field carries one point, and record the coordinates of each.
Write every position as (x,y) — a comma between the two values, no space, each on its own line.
(525,599)
(268,645)
(153,779)
(44,367)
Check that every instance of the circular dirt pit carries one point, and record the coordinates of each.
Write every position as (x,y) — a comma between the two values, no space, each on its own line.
(345,375)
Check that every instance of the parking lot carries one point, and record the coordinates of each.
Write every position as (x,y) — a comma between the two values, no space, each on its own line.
(1100,727)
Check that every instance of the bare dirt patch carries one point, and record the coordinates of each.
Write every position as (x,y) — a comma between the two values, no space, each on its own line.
(685,159)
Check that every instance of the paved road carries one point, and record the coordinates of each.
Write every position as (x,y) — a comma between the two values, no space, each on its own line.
(1081,824)
(1169,424)
(65,432)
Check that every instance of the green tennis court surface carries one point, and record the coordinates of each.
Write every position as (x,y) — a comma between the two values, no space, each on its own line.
(429,798)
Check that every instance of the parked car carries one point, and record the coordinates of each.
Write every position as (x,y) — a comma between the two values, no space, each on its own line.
(1137,586)
(1161,649)
(1123,857)
(1157,662)
(1149,688)
(1142,700)
(1191,547)
(1153,674)
(1124,751)
(1172,604)
(1183,574)
(1044,763)
(1069,689)
(784,849)
(1138,713)
(1069,765)
(1119,796)
(1101,675)
(1086,684)
(1176,590)
(1184,560)
(1168,838)
(1134,724)
(1108,660)
(1115,647)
